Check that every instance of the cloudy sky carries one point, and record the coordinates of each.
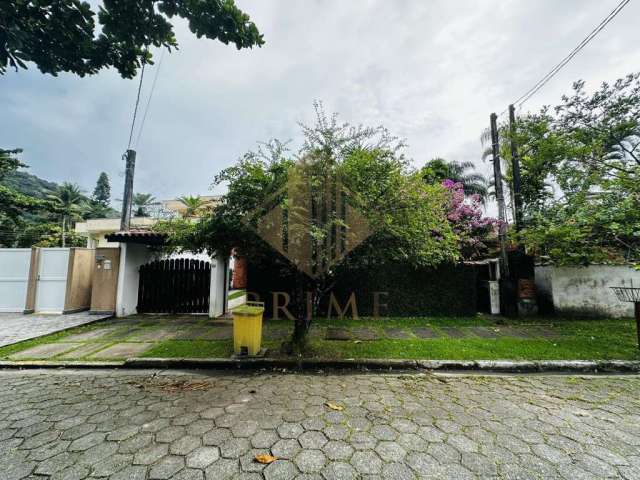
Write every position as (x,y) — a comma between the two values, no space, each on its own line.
(430,71)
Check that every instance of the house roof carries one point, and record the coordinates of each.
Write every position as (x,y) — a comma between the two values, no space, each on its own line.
(144,237)
(111,225)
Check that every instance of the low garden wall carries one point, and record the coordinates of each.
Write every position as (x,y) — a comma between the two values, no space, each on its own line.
(386,289)
(585,291)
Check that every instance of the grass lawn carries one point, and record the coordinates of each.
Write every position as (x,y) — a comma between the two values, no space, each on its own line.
(577,340)
(573,339)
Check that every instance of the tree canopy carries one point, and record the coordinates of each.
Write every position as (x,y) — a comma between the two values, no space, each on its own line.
(13,204)
(580,167)
(75,36)
(193,205)
(68,202)
(409,215)
(102,191)
(438,170)
(141,203)
(406,216)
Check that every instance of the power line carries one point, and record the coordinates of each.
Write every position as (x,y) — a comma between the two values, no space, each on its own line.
(135,110)
(533,90)
(153,87)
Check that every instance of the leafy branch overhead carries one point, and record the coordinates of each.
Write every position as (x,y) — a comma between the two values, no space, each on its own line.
(73,36)
(580,165)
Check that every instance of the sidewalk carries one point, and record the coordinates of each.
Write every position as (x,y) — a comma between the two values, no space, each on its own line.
(18,327)
(415,339)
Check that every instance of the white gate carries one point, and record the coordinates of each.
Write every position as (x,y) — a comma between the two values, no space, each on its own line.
(14,276)
(53,266)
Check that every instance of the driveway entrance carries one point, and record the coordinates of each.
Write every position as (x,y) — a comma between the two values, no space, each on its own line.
(16,327)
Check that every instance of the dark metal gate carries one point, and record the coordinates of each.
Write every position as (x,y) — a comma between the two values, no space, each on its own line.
(174,286)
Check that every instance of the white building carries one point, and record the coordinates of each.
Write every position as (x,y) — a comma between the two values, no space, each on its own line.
(96,229)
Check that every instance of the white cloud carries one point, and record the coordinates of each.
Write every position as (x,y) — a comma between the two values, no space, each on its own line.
(432,72)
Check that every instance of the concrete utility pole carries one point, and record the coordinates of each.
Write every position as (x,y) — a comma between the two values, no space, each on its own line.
(502,216)
(127,198)
(515,166)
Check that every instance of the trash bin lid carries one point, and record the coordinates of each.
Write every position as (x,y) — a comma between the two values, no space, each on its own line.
(249,308)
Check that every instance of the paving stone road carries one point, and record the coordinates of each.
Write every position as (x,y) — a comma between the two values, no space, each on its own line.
(158,425)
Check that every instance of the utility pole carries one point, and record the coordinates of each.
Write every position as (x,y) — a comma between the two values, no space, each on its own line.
(515,166)
(497,174)
(127,198)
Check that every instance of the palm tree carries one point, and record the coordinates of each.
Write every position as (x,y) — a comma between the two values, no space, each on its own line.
(142,201)
(69,202)
(439,169)
(192,204)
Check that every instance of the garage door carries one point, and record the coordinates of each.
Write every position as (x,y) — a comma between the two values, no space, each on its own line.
(14,275)
(53,266)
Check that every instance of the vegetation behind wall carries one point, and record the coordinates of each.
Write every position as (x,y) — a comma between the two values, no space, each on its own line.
(446,290)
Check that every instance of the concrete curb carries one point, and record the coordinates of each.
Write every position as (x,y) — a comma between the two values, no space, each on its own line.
(497,366)
(31,364)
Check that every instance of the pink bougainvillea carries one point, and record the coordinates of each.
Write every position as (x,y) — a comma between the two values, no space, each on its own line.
(468,222)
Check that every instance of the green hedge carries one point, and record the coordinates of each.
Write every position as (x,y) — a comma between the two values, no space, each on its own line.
(448,290)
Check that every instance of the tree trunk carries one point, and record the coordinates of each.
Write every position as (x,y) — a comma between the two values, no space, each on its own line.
(302,321)
(64,228)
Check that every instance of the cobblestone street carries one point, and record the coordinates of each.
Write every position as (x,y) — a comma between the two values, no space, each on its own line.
(157,425)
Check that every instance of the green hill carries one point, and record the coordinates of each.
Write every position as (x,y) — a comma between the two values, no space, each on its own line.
(29,184)
(33,186)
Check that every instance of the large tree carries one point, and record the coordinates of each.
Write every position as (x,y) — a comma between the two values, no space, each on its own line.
(580,165)
(407,216)
(141,204)
(98,205)
(193,205)
(75,36)
(102,191)
(68,202)
(437,170)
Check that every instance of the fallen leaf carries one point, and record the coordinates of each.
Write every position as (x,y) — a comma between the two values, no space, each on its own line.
(265,458)
(357,341)
(333,406)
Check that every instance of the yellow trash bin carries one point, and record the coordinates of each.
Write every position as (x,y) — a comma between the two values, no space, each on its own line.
(247,328)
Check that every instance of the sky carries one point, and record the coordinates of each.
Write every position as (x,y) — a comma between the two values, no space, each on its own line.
(430,71)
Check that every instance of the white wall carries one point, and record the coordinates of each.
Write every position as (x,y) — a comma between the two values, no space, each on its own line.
(219,286)
(132,256)
(586,290)
(14,276)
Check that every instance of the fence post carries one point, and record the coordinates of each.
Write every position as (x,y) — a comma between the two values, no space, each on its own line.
(218,287)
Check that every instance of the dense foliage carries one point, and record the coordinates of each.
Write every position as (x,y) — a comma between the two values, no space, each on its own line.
(13,204)
(406,215)
(408,290)
(409,215)
(35,212)
(580,166)
(468,221)
(64,36)
(438,170)
(28,184)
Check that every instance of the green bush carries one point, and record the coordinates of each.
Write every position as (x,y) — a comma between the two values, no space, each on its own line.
(446,290)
